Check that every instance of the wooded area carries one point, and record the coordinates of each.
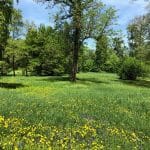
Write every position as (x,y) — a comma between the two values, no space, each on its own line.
(43,50)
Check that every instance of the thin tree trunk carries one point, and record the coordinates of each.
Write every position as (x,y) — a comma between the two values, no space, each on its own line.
(26,68)
(1,59)
(2,49)
(1,54)
(13,65)
(26,72)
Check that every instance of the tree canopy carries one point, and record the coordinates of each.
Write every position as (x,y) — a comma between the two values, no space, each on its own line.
(88,19)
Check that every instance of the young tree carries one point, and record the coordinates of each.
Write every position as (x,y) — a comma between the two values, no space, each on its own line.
(15,30)
(11,54)
(101,52)
(118,46)
(15,54)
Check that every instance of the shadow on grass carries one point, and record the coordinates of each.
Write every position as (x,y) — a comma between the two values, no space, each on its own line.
(56,79)
(141,83)
(11,85)
(93,80)
(79,80)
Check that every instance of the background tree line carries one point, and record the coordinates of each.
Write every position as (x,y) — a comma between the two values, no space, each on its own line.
(43,50)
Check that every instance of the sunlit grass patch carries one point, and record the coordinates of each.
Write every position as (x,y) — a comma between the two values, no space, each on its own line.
(97,112)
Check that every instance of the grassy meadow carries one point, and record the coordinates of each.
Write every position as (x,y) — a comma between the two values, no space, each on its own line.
(98,112)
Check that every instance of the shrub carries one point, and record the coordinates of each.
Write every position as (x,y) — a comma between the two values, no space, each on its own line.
(131,69)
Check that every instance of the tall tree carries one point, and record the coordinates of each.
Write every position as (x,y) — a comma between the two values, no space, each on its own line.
(139,36)
(89,18)
(15,30)
(16,25)
(17,58)
(6,7)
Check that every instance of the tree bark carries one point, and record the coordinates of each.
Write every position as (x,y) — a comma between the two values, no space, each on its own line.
(13,65)
(1,53)
(77,35)
(1,59)
(75,54)
(26,72)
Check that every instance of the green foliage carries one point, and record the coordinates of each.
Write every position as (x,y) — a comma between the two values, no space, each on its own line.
(118,48)
(143,53)
(4,68)
(88,19)
(131,69)
(52,58)
(47,51)
(86,60)
(101,53)
(5,20)
(138,37)
(16,54)
(112,64)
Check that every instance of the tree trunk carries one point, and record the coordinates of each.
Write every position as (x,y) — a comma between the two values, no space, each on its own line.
(26,71)
(75,54)
(1,53)
(26,68)
(1,59)
(77,32)
(13,65)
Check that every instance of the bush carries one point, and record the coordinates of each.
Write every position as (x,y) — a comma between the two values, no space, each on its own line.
(131,69)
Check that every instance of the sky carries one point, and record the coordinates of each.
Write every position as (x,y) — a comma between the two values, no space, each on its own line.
(127,10)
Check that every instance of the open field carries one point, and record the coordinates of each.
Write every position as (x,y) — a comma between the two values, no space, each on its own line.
(97,112)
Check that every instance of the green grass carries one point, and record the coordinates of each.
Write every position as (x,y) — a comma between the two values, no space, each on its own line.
(118,110)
